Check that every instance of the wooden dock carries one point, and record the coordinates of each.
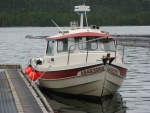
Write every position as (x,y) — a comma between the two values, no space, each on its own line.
(17,95)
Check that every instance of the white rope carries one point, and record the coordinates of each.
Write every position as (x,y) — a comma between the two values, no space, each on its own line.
(33,82)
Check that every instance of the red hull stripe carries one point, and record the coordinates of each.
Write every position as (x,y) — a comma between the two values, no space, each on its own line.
(123,71)
(73,72)
(80,35)
(64,73)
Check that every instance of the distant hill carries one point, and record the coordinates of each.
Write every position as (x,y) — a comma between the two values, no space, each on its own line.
(103,12)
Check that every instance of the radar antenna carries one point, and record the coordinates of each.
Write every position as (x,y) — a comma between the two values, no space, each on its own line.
(82,10)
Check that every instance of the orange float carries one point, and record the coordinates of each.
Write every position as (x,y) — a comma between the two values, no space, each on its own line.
(33,75)
(28,69)
(39,74)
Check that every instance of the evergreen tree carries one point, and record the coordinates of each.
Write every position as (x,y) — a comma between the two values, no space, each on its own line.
(103,12)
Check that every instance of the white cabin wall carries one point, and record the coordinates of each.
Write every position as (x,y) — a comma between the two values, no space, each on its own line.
(61,60)
(80,58)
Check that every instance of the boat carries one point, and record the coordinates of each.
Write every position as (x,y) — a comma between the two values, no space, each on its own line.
(83,60)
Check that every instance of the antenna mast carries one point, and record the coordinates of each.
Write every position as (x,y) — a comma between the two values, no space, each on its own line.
(57,26)
(82,9)
(83,2)
(85,14)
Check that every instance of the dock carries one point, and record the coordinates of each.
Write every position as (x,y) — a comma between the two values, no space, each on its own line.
(16,93)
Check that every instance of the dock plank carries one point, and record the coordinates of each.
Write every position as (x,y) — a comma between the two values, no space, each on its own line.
(27,101)
(10,66)
(7,104)
(16,94)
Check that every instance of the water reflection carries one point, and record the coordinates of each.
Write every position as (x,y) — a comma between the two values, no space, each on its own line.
(66,103)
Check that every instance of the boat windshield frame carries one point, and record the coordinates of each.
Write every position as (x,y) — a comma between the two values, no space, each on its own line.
(50,48)
(87,51)
(99,44)
(87,45)
(110,46)
(66,44)
(75,45)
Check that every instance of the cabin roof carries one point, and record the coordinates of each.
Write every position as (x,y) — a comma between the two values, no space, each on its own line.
(79,34)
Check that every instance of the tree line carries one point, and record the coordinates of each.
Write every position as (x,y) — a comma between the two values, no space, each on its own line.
(103,12)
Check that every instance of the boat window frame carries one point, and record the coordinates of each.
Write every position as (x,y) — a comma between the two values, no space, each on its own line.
(68,45)
(87,43)
(52,53)
(102,44)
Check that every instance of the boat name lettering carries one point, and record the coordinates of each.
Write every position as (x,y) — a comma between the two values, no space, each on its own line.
(113,71)
(92,71)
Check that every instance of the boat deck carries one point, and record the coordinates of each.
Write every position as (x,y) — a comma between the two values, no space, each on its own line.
(17,95)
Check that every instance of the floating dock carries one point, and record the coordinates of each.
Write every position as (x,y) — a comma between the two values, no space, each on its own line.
(16,93)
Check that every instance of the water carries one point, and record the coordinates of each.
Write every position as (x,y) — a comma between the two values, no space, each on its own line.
(62,103)
(133,96)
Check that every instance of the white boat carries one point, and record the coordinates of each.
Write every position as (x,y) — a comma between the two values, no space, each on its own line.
(81,61)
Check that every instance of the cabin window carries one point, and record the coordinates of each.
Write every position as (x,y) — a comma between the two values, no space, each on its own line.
(49,50)
(107,45)
(82,46)
(63,45)
(71,41)
(92,45)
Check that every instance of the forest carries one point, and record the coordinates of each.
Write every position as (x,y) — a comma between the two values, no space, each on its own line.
(103,12)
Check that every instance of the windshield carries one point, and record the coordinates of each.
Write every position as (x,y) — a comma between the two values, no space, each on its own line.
(63,45)
(107,44)
(92,45)
(49,50)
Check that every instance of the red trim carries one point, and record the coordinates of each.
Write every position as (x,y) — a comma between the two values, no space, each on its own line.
(59,74)
(73,72)
(64,73)
(123,71)
(81,35)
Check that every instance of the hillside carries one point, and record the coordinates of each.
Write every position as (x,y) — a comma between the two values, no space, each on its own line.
(103,12)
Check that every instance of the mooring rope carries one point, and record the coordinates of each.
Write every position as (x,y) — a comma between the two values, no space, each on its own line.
(33,82)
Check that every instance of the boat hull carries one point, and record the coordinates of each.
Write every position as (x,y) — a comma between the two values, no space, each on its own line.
(93,81)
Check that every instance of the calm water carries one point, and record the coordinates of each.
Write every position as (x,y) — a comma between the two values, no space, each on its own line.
(133,96)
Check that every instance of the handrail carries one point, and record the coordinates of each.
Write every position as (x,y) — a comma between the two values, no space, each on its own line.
(81,43)
(116,49)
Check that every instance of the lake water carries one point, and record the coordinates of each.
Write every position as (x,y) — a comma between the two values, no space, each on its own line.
(133,96)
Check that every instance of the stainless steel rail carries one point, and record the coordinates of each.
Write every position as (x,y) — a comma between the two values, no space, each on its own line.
(86,49)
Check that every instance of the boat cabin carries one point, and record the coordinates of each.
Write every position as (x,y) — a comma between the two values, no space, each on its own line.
(78,47)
